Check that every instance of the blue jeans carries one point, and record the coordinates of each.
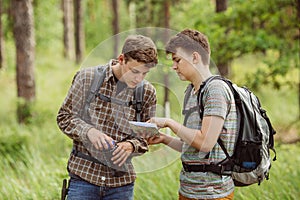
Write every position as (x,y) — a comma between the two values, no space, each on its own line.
(80,189)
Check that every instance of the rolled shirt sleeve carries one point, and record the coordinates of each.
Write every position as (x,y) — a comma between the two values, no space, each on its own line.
(68,118)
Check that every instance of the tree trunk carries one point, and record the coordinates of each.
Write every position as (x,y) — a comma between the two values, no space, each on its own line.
(166,7)
(68,23)
(298,9)
(115,26)
(25,51)
(298,14)
(223,69)
(2,59)
(79,31)
(167,14)
(221,6)
(145,12)
(132,14)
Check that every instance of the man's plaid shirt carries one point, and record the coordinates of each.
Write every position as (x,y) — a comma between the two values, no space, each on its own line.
(110,118)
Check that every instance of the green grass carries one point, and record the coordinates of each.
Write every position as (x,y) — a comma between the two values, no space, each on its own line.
(34,157)
(283,183)
(284,177)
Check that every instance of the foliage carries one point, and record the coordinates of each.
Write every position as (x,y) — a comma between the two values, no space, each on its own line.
(247,27)
(6,20)
(34,157)
(24,111)
(98,17)
(268,28)
(44,149)
(149,12)
(48,25)
(13,146)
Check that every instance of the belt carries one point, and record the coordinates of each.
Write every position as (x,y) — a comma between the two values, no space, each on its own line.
(214,168)
(116,170)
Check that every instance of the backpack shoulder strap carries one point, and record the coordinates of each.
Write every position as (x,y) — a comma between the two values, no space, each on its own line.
(186,97)
(99,75)
(187,112)
(138,100)
(200,96)
(201,91)
(204,85)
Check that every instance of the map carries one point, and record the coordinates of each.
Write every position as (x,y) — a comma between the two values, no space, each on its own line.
(144,129)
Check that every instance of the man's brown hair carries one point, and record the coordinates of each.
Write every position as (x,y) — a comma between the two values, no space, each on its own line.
(190,40)
(140,48)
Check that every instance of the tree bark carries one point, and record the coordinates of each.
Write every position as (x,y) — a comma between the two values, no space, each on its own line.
(166,8)
(223,69)
(68,22)
(298,15)
(2,59)
(79,31)
(23,29)
(132,14)
(221,6)
(115,26)
(298,9)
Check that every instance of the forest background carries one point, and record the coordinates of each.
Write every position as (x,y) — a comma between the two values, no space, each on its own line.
(254,43)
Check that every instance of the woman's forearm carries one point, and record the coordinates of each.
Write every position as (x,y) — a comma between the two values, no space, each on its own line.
(173,142)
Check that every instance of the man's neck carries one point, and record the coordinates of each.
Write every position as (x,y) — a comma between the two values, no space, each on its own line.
(116,68)
(117,73)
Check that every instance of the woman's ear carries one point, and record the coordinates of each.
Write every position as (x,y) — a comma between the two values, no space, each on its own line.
(196,57)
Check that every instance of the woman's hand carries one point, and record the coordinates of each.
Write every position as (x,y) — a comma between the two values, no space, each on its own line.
(157,139)
(159,121)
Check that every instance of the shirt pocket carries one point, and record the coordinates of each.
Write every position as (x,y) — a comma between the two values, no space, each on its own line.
(99,111)
(129,113)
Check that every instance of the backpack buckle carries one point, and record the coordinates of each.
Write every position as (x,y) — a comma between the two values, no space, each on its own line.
(138,105)
(222,169)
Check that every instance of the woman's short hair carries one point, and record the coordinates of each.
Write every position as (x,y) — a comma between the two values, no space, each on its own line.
(190,40)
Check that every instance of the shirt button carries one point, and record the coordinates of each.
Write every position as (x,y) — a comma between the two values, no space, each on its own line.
(103,178)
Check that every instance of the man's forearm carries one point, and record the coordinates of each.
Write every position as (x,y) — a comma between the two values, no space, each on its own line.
(140,146)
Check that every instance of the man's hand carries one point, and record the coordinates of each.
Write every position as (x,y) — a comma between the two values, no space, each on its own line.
(121,154)
(100,140)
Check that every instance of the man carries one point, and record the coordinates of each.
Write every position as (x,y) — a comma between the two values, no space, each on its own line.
(106,136)
(197,140)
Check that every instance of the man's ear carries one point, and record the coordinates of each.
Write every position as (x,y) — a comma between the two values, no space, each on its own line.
(196,58)
(121,59)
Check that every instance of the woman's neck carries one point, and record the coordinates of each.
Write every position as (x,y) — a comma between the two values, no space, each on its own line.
(199,78)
